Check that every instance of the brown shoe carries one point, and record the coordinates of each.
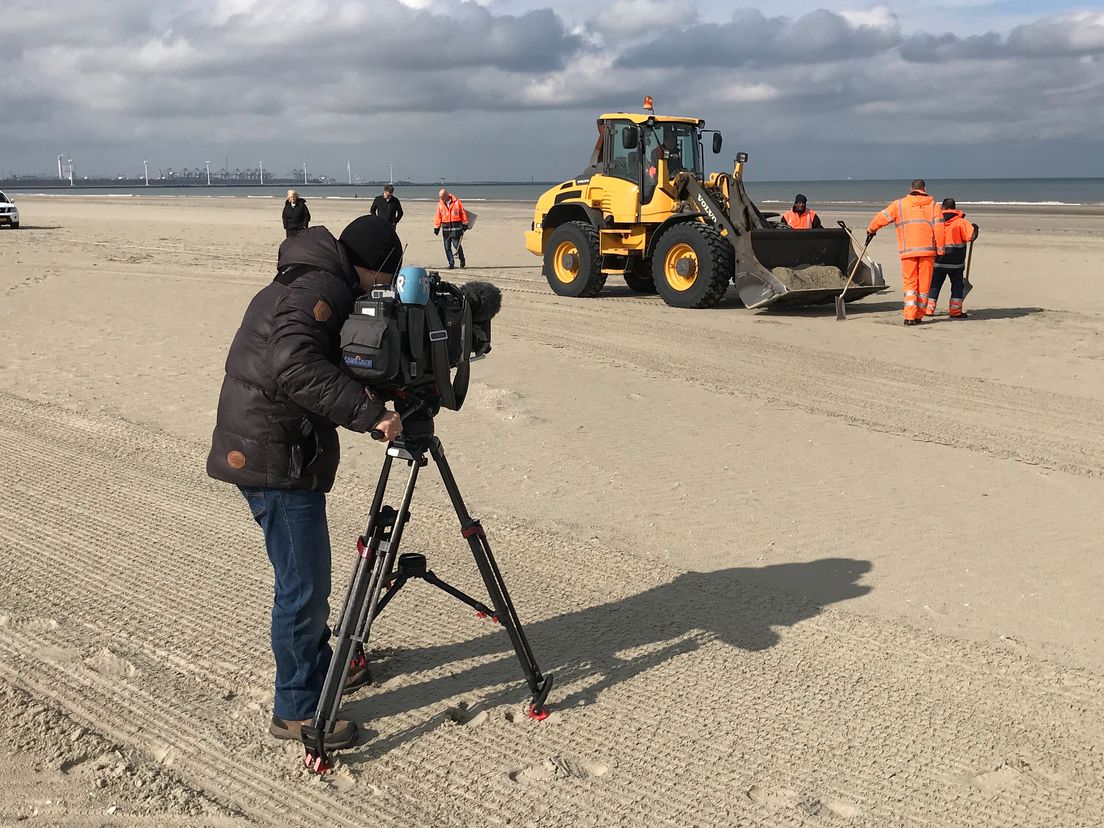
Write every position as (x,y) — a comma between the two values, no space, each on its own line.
(358,677)
(344,735)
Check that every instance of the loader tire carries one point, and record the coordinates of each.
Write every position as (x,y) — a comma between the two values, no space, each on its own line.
(572,263)
(639,279)
(692,265)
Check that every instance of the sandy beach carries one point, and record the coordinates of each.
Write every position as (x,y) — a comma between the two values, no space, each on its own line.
(787,571)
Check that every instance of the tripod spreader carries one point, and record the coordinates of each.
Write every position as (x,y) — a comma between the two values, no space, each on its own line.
(379,572)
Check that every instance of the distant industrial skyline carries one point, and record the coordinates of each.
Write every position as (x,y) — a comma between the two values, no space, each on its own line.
(510,89)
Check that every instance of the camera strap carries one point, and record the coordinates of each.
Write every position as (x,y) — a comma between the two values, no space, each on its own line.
(452,391)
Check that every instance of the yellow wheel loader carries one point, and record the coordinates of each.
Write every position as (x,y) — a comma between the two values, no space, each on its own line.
(645,210)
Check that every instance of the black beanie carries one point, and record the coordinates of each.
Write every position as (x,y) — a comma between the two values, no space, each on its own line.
(800,199)
(372,242)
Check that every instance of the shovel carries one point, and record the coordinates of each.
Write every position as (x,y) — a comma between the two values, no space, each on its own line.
(966,286)
(841,311)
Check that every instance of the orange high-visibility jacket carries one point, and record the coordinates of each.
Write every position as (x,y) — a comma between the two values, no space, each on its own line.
(920,227)
(450,216)
(959,231)
(799,222)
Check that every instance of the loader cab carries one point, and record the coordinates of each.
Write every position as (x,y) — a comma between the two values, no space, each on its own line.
(628,148)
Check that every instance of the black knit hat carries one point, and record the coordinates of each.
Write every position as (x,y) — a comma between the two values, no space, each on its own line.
(800,199)
(372,242)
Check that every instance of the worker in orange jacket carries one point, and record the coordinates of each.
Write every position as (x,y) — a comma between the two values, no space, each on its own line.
(952,264)
(452,221)
(801,217)
(920,238)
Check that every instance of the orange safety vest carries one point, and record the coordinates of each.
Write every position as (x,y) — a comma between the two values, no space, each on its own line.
(959,231)
(920,225)
(450,216)
(804,221)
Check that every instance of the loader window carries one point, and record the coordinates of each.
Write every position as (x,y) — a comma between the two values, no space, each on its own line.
(623,163)
(679,144)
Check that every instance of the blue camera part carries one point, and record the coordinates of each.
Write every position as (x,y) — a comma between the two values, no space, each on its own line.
(412,285)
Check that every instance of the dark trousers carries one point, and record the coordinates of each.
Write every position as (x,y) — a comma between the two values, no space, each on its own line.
(297,539)
(454,239)
(958,284)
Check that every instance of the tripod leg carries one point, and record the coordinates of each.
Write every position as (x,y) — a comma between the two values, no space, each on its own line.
(376,559)
(373,519)
(473,532)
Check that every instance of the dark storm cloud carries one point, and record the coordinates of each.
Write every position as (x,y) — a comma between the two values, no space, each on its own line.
(473,84)
(1063,37)
(754,39)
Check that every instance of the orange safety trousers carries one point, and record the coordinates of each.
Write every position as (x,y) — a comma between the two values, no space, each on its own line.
(916,279)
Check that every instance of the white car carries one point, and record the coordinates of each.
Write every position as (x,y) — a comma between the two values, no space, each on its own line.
(9,213)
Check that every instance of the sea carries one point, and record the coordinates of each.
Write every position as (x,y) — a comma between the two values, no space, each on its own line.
(1041,192)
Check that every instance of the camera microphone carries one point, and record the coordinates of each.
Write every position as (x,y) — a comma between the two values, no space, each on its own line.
(485,300)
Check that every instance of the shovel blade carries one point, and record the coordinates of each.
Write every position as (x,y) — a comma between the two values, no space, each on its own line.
(966,286)
(841,311)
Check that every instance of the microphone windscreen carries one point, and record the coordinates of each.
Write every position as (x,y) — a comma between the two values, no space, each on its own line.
(485,300)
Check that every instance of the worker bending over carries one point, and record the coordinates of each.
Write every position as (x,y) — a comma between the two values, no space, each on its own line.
(952,264)
(920,238)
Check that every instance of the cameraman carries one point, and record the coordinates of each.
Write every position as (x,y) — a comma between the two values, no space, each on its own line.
(275,437)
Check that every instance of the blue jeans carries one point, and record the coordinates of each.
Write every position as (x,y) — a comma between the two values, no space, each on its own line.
(297,538)
(453,238)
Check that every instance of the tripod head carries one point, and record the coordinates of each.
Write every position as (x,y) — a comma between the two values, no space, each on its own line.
(417,418)
(417,433)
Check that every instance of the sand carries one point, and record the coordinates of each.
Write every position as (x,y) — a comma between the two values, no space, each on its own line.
(787,571)
(807,277)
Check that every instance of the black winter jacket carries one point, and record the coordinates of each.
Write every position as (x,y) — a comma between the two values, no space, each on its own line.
(296,216)
(388,209)
(284,392)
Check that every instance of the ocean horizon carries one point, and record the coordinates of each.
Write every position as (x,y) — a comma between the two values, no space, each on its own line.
(1042,192)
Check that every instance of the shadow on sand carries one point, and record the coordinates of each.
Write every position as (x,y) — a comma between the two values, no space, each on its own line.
(590,650)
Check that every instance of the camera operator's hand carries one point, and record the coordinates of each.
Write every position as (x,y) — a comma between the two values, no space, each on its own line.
(436,231)
(389,427)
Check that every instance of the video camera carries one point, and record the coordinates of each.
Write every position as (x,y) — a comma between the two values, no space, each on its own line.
(405,341)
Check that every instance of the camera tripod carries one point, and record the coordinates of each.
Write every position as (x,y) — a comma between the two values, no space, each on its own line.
(380,572)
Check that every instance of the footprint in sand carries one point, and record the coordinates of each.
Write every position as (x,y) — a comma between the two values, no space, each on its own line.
(341,779)
(558,767)
(777,798)
(108,663)
(462,715)
(32,625)
(1006,776)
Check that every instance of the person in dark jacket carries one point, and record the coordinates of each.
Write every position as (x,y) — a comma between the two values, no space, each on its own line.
(275,437)
(387,207)
(296,214)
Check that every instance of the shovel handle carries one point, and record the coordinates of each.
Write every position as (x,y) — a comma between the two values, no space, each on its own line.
(858,261)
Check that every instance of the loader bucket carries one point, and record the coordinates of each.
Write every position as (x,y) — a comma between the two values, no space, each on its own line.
(800,267)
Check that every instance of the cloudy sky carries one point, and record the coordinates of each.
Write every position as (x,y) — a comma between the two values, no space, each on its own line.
(509,89)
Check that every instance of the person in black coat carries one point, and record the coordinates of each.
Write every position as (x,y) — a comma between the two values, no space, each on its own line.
(296,214)
(387,207)
(275,438)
